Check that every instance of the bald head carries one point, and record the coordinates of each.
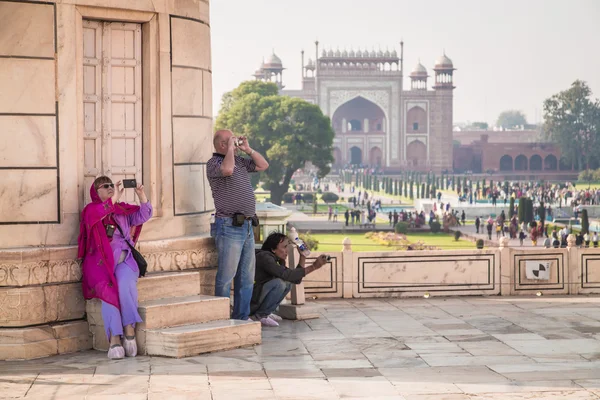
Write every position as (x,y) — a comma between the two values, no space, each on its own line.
(221,139)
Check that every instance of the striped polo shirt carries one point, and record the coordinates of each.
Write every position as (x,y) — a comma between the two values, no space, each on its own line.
(232,194)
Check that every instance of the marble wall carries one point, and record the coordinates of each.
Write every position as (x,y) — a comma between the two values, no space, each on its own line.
(41,141)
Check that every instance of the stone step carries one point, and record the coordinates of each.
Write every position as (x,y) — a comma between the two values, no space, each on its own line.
(191,340)
(44,340)
(177,311)
(168,284)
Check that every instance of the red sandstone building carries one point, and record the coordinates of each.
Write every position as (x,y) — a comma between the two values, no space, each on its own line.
(512,154)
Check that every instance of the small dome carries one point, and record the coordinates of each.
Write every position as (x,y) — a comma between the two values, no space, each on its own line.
(330,53)
(372,54)
(394,53)
(444,62)
(311,62)
(379,53)
(419,70)
(352,53)
(337,53)
(273,61)
(387,54)
(323,53)
(345,53)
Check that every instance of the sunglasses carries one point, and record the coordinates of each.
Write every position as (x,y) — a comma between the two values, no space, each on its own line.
(107,185)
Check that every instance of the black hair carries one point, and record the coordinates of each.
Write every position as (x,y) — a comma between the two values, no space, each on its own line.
(273,240)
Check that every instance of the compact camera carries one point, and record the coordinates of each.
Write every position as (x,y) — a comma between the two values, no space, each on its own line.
(237,142)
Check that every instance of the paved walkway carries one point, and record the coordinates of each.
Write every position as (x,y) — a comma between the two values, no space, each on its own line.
(494,348)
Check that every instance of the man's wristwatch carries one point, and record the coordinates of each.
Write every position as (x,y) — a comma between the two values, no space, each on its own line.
(252,152)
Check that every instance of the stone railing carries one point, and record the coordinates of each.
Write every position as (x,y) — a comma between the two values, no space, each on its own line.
(493,271)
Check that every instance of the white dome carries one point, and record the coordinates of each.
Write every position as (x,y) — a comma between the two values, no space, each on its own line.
(394,53)
(337,53)
(387,54)
(352,53)
(419,70)
(444,62)
(330,53)
(323,53)
(345,53)
(372,54)
(273,60)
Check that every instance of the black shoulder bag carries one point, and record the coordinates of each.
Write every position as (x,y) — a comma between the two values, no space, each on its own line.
(137,256)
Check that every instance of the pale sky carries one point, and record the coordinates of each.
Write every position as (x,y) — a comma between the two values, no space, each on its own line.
(509,54)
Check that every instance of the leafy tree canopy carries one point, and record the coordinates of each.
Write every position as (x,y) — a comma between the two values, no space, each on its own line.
(289,132)
(572,120)
(511,118)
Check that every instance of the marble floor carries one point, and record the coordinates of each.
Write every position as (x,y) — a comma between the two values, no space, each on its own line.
(417,349)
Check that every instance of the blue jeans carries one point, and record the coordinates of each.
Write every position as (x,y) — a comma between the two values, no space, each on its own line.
(235,245)
(271,295)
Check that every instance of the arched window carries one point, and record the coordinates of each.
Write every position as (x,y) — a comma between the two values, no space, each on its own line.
(521,163)
(417,120)
(550,163)
(355,125)
(506,163)
(535,163)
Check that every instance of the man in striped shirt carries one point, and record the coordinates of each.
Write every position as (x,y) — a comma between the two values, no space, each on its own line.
(228,175)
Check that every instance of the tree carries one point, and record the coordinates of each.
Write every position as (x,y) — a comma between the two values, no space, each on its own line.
(572,120)
(522,208)
(529,211)
(585,222)
(290,132)
(480,125)
(510,119)
(511,207)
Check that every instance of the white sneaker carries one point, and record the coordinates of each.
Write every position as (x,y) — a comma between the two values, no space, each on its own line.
(130,346)
(266,321)
(116,352)
(275,317)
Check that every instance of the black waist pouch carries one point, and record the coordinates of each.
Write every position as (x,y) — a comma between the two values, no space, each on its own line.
(238,219)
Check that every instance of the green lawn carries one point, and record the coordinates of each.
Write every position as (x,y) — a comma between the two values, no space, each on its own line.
(333,242)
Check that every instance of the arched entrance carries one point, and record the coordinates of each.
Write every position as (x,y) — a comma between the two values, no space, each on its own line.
(355,155)
(550,162)
(360,115)
(375,156)
(535,163)
(337,156)
(521,163)
(416,154)
(506,163)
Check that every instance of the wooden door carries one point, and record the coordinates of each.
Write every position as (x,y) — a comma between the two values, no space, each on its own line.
(112,84)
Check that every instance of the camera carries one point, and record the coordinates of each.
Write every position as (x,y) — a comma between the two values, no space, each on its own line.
(237,142)
(129,183)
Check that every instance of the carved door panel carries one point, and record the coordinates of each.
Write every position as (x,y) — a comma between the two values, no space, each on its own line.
(113,68)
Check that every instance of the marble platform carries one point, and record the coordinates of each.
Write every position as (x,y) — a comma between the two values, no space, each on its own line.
(468,348)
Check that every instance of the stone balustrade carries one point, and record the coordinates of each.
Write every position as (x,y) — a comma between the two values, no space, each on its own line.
(491,271)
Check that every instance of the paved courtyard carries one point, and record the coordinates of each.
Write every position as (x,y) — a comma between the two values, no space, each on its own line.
(437,348)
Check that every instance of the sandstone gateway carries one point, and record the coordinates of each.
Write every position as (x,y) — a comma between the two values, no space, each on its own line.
(377,121)
(92,87)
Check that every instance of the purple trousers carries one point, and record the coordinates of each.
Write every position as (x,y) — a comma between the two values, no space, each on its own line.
(114,321)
